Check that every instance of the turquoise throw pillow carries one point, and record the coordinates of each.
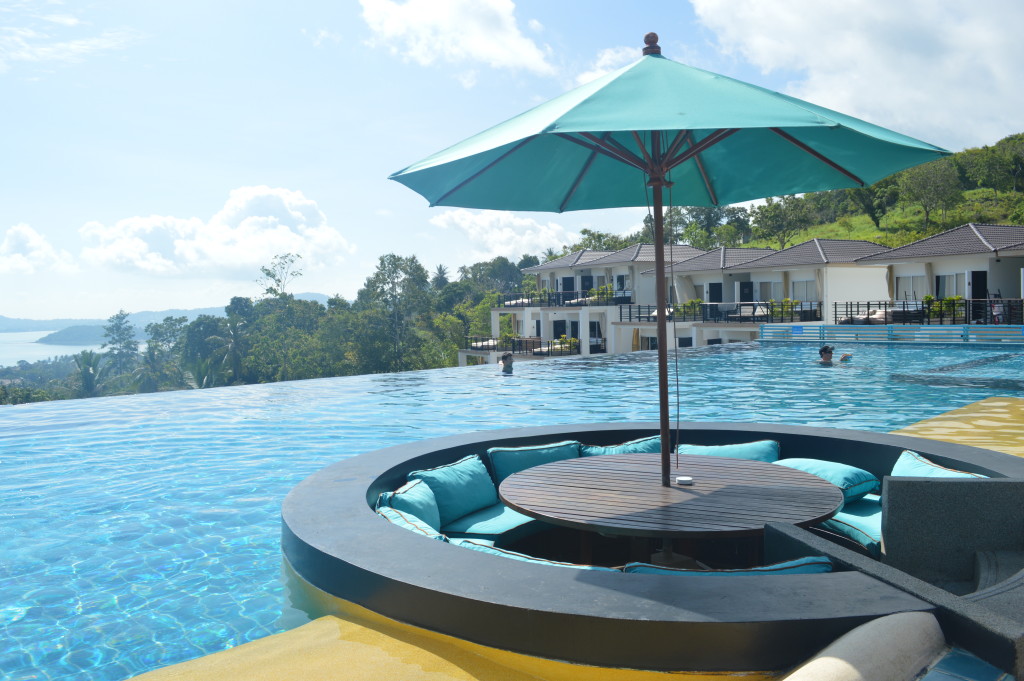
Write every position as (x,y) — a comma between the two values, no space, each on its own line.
(913,465)
(801,566)
(854,482)
(410,522)
(762,450)
(508,460)
(415,498)
(646,445)
(460,488)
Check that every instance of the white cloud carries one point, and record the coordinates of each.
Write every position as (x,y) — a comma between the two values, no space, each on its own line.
(321,36)
(255,224)
(23,250)
(455,32)
(607,61)
(491,233)
(941,70)
(55,38)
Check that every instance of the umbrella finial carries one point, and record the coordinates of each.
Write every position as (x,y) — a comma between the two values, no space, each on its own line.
(651,44)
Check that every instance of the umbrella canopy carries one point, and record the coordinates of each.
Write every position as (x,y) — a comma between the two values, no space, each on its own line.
(622,139)
(721,141)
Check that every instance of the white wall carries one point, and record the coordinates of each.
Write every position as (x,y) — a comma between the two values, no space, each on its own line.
(852,283)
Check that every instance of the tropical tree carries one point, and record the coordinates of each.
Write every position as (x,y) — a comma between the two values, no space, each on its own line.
(781,220)
(440,278)
(89,364)
(124,348)
(283,269)
(932,186)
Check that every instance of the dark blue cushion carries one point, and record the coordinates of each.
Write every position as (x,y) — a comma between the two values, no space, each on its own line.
(460,488)
(801,566)
(508,460)
(415,498)
(761,450)
(515,555)
(913,465)
(410,522)
(493,523)
(854,482)
(648,445)
(861,522)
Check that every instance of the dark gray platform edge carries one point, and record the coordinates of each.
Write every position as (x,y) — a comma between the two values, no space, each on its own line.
(334,540)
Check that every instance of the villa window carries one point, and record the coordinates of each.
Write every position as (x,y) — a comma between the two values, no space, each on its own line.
(770,290)
(805,290)
(949,285)
(622,282)
(911,288)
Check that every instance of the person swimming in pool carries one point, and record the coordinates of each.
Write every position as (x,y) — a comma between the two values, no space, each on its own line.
(826,351)
(506,363)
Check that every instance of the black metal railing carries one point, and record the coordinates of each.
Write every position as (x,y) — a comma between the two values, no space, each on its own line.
(565,299)
(533,346)
(931,311)
(756,312)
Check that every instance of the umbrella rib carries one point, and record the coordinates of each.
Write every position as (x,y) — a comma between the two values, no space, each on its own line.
(578,180)
(821,157)
(707,181)
(686,137)
(682,137)
(601,146)
(481,171)
(709,141)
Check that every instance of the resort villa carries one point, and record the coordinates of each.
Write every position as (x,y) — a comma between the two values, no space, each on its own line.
(599,302)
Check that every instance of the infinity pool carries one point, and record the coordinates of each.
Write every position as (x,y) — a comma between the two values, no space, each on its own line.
(136,532)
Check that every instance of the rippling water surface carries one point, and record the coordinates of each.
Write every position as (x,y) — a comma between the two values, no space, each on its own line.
(141,531)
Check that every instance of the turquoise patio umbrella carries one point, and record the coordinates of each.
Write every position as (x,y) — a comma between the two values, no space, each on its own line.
(657,127)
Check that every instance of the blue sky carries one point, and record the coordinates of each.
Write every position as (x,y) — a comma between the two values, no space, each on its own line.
(155,154)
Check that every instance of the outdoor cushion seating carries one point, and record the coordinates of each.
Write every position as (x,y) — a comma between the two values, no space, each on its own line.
(508,460)
(761,450)
(515,555)
(410,522)
(854,482)
(414,498)
(468,504)
(494,523)
(860,522)
(650,445)
(461,488)
(800,566)
(912,464)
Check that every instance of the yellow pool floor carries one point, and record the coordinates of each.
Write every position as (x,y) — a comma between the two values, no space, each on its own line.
(360,645)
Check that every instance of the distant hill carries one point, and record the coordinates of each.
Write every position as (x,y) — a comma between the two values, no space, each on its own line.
(138,319)
(91,334)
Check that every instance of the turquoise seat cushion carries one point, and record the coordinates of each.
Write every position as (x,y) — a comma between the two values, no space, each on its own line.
(801,566)
(492,523)
(515,555)
(761,450)
(913,465)
(860,522)
(854,482)
(410,522)
(508,460)
(416,498)
(460,488)
(648,445)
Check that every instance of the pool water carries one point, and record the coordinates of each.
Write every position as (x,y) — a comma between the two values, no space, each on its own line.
(140,531)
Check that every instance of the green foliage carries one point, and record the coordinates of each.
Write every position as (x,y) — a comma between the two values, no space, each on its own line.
(283,269)
(124,349)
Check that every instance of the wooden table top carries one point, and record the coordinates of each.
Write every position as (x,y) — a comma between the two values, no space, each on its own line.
(622,494)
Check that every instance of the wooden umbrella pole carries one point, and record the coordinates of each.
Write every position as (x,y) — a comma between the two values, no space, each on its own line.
(662,299)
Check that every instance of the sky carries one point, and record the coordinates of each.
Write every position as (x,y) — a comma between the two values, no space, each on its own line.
(154,155)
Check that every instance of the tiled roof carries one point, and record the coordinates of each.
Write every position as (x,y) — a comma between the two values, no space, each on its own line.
(966,239)
(645,253)
(814,253)
(574,259)
(717,259)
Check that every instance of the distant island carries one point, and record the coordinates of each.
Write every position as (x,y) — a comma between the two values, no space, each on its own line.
(82,334)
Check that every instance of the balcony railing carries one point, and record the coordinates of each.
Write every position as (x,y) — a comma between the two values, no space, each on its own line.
(756,312)
(565,299)
(533,346)
(931,311)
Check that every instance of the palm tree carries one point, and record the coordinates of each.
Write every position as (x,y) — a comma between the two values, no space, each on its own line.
(89,371)
(440,278)
(230,348)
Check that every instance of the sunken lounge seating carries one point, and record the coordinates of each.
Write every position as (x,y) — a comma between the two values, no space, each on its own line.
(335,542)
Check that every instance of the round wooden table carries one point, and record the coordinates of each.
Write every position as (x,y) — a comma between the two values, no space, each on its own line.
(622,494)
